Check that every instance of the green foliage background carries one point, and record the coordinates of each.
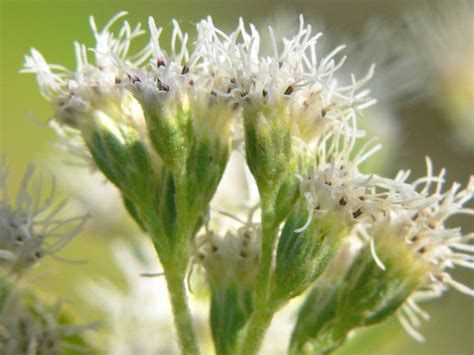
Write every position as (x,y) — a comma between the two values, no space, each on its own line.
(51,26)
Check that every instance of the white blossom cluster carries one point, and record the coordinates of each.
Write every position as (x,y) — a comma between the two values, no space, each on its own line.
(222,78)
(32,227)
(33,329)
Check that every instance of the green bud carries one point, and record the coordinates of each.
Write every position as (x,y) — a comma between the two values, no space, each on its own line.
(231,264)
(268,145)
(313,332)
(192,136)
(170,132)
(204,169)
(372,293)
(302,256)
(120,154)
(372,289)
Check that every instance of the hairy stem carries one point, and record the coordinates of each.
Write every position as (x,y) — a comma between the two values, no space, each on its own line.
(181,312)
(255,331)
(174,254)
(261,318)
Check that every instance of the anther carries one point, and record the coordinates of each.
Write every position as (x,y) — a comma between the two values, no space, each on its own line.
(357,213)
(289,90)
(422,250)
(160,62)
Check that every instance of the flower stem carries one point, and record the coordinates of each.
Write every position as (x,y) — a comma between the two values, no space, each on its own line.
(255,331)
(182,314)
(261,318)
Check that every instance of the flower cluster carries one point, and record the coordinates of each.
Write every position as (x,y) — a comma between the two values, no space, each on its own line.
(402,258)
(434,247)
(33,227)
(33,328)
(161,125)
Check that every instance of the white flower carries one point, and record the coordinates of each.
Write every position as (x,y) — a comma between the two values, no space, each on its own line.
(433,247)
(32,227)
(293,80)
(159,80)
(337,186)
(32,328)
(232,256)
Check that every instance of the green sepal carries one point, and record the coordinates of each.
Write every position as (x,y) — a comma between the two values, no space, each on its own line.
(369,294)
(362,296)
(121,155)
(171,134)
(197,164)
(268,147)
(204,169)
(132,211)
(314,328)
(303,256)
(230,309)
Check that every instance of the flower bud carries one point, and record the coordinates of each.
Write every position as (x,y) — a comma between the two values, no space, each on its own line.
(231,265)
(302,255)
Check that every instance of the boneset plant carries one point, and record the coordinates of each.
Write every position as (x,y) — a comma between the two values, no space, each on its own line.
(160,124)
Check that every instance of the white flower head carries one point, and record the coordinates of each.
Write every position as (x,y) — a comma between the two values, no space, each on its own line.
(431,247)
(132,96)
(337,186)
(91,87)
(230,257)
(293,80)
(32,228)
(35,328)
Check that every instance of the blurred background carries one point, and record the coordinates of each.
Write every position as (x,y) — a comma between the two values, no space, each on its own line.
(429,113)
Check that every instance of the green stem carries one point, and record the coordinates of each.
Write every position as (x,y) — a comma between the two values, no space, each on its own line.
(268,246)
(174,259)
(182,314)
(255,331)
(261,318)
